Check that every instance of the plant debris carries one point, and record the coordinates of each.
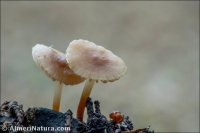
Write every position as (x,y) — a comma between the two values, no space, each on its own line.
(12,114)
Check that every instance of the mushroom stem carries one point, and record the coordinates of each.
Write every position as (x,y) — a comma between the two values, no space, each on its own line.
(57,96)
(85,94)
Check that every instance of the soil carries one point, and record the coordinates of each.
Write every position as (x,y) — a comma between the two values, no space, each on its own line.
(12,115)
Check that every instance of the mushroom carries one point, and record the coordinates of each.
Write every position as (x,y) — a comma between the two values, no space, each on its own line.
(116,116)
(95,63)
(54,64)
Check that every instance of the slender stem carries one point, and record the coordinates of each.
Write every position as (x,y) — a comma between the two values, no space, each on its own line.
(85,94)
(57,96)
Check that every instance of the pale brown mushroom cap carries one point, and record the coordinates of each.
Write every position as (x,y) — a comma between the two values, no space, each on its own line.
(94,62)
(54,64)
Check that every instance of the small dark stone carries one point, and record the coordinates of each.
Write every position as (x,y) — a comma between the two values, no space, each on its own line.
(97,107)
(96,122)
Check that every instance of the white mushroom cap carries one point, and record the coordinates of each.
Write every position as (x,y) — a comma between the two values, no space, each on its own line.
(54,64)
(94,62)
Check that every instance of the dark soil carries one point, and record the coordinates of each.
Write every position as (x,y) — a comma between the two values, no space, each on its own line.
(12,115)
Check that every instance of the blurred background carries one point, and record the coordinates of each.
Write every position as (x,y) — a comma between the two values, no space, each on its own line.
(158,40)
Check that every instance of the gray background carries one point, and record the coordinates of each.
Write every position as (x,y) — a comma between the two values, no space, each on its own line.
(157,40)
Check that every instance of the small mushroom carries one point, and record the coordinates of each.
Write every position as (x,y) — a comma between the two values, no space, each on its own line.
(54,64)
(116,116)
(95,63)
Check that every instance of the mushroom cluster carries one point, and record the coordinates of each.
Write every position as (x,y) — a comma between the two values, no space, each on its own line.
(83,60)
